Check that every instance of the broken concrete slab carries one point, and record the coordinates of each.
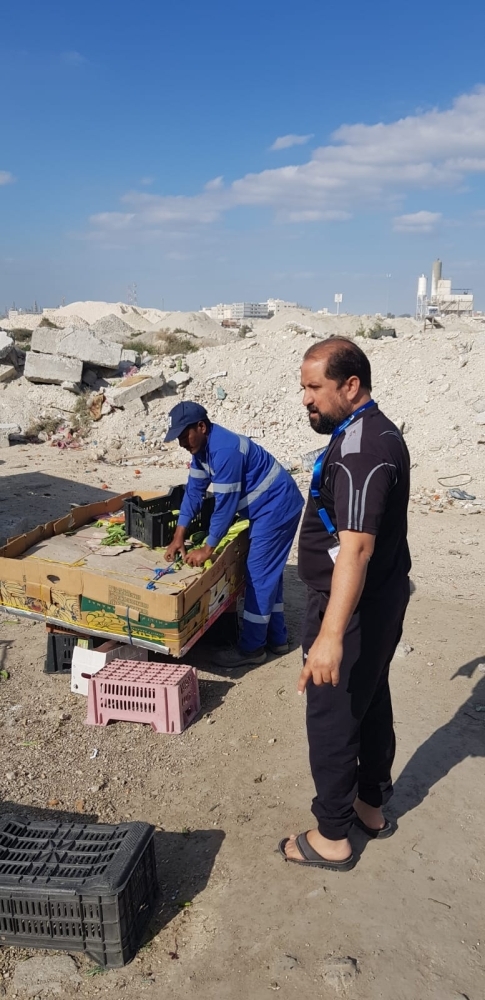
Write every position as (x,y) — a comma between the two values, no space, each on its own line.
(6,344)
(52,369)
(7,372)
(77,343)
(132,356)
(135,387)
(178,380)
(8,431)
(49,975)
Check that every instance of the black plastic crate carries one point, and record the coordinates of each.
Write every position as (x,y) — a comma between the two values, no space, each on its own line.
(60,647)
(152,521)
(73,887)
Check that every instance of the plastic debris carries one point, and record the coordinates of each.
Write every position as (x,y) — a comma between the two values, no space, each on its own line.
(460,495)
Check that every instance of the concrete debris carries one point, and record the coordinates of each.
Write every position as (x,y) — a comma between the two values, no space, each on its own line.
(52,369)
(135,387)
(80,344)
(7,372)
(7,432)
(177,380)
(131,356)
(6,344)
(339,973)
(439,406)
(73,387)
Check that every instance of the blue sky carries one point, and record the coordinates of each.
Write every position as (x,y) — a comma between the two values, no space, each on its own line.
(222,151)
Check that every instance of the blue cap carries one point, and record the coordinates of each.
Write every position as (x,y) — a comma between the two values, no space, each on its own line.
(183,415)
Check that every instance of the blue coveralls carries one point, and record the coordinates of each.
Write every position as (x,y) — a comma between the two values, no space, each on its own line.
(247,479)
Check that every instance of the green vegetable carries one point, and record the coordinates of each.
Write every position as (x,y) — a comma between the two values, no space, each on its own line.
(115,535)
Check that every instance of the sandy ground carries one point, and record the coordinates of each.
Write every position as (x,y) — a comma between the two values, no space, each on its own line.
(410,914)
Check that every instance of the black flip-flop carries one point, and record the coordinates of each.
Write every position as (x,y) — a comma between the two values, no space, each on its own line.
(311,858)
(387,830)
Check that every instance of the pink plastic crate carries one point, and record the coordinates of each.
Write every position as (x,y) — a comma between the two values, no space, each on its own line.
(161,694)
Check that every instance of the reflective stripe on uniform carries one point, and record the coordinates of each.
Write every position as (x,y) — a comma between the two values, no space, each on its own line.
(210,472)
(226,487)
(198,474)
(257,619)
(278,607)
(263,486)
(243,445)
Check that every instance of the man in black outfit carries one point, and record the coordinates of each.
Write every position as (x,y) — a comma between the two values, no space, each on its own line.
(354,560)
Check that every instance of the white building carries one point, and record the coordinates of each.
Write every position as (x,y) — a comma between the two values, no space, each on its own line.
(219,312)
(279,305)
(237,311)
(249,310)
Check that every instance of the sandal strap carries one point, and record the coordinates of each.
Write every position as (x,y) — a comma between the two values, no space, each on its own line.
(306,850)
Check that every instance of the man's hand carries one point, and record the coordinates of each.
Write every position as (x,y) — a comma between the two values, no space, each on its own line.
(177,545)
(322,663)
(197,557)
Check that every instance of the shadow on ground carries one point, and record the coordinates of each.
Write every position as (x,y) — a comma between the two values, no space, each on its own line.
(463,736)
(184,860)
(184,864)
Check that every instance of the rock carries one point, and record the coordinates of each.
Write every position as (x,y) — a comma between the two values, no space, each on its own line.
(49,975)
(7,372)
(403,649)
(480,419)
(132,357)
(136,387)
(8,431)
(444,388)
(80,344)
(51,369)
(178,379)
(6,344)
(340,972)
(479,405)
(73,387)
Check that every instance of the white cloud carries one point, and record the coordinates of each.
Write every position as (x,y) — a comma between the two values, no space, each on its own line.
(146,181)
(215,184)
(72,58)
(287,141)
(363,166)
(6,177)
(416,222)
(313,215)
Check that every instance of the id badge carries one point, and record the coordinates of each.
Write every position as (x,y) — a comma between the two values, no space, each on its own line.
(333,553)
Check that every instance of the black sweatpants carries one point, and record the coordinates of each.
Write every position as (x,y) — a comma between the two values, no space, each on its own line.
(350,727)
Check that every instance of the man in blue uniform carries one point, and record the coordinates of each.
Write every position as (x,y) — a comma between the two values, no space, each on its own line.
(246,479)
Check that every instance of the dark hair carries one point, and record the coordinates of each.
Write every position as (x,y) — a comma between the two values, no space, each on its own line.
(203,420)
(343,359)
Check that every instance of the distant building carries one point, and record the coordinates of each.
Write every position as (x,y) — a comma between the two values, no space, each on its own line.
(279,305)
(250,310)
(444,300)
(237,311)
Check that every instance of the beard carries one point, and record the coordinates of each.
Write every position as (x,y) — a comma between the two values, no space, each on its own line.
(322,423)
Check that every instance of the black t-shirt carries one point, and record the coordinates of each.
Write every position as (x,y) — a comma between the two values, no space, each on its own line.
(364,487)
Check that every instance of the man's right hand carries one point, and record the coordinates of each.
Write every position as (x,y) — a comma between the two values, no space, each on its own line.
(177,545)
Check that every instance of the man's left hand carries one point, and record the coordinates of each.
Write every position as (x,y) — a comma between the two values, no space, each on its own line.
(322,663)
(197,557)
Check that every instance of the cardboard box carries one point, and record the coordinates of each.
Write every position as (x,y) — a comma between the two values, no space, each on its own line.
(73,595)
(87,662)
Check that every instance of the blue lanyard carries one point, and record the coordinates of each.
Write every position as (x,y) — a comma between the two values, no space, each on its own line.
(318,468)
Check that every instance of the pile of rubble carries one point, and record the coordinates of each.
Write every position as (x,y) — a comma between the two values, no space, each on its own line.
(430,383)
